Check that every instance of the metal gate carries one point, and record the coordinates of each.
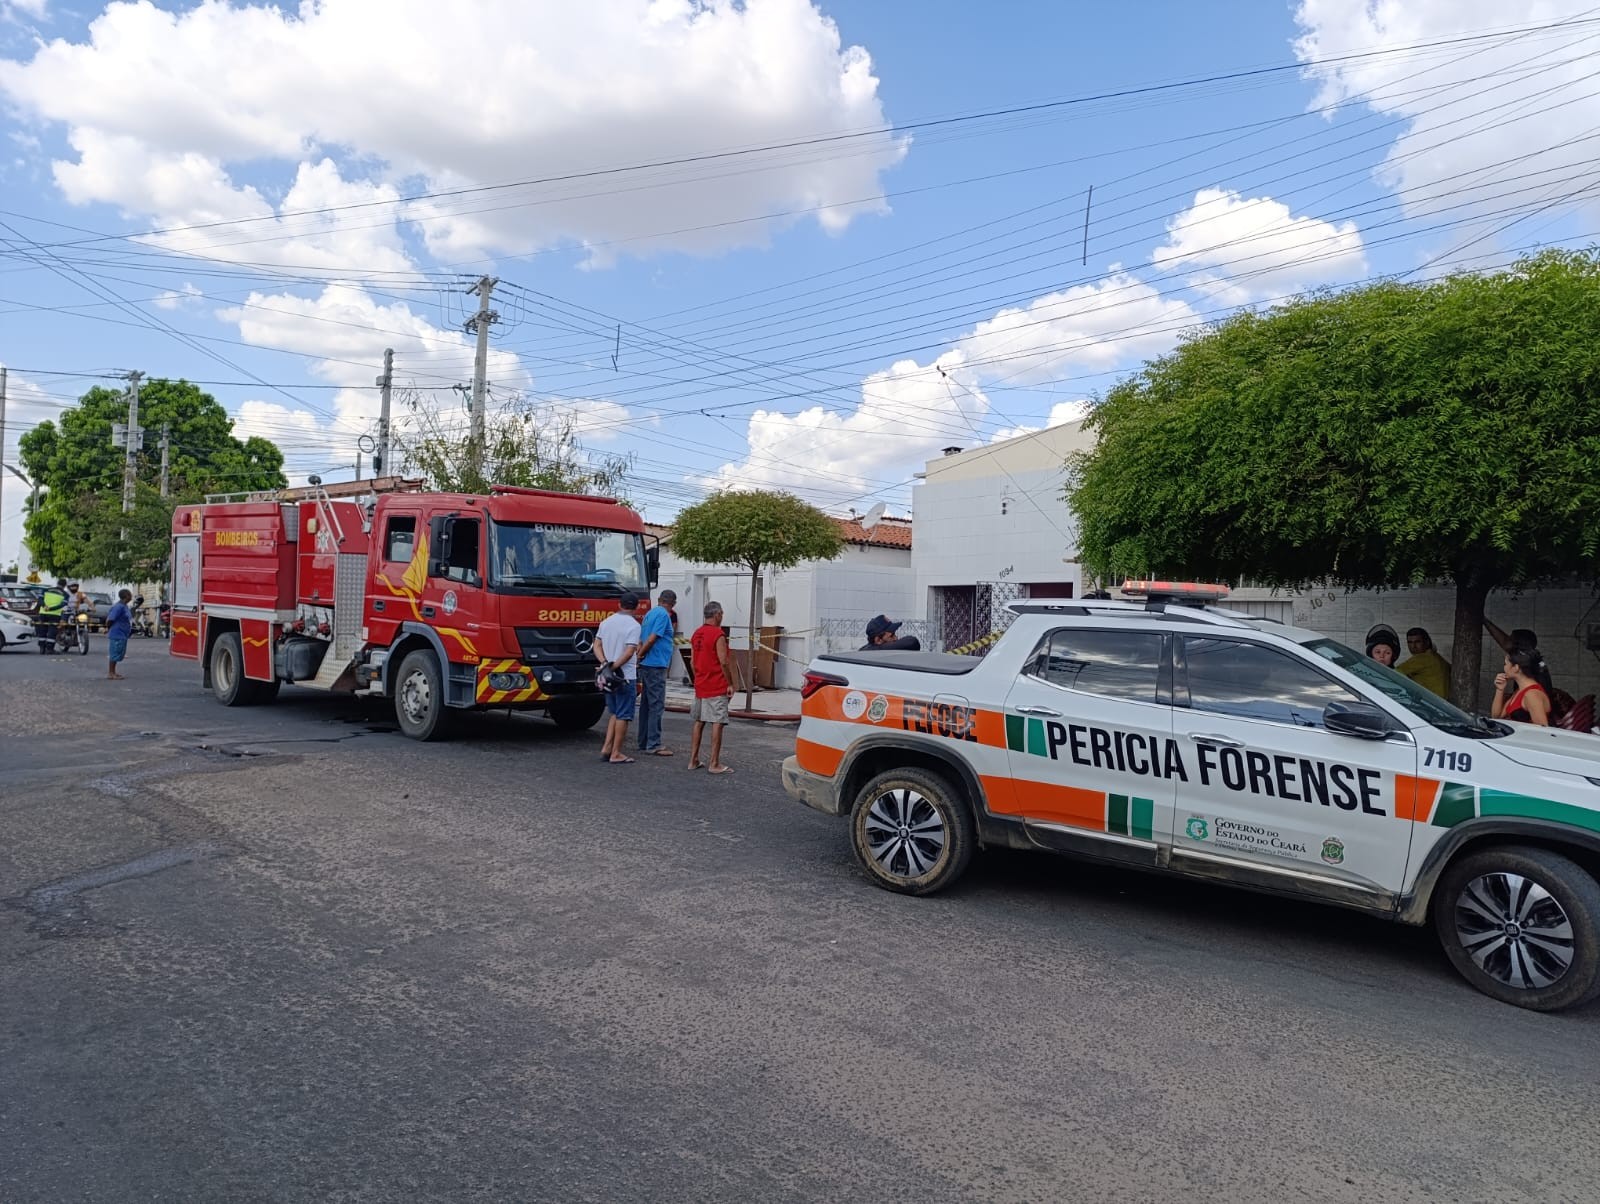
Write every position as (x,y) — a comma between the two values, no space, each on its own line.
(963,615)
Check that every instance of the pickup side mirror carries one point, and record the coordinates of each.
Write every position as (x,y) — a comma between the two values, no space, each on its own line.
(1362,720)
(440,531)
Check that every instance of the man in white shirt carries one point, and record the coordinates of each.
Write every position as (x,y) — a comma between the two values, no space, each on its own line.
(616,647)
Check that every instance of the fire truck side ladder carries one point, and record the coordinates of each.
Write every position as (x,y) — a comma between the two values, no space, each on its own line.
(349,587)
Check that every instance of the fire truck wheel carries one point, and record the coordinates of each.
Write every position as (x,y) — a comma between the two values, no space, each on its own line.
(577,716)
(228,681)
(419,696)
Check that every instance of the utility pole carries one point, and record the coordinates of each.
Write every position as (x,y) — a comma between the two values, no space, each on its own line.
(479,324)
(3,444)
(166,447)
(380,459)
(130,460)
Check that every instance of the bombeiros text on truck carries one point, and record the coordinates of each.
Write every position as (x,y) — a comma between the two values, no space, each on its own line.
(442,602)
(1164,732)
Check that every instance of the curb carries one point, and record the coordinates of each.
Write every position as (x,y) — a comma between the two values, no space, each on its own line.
(678,708)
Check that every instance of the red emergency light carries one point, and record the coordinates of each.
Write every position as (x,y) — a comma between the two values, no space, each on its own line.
(1195,591)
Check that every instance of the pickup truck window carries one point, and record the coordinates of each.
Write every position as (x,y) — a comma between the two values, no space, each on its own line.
(1112,664)
(1230,677)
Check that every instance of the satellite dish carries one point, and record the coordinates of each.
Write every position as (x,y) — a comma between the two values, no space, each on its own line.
(870,519)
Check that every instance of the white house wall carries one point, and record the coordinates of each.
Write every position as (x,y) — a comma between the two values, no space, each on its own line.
(1560,617)
(862,582)
(998,513)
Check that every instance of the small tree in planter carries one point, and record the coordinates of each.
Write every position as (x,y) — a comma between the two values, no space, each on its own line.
(755,530)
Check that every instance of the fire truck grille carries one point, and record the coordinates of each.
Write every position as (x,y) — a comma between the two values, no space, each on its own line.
(556,645)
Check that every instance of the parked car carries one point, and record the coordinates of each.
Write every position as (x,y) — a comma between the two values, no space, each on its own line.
(21,599)
(16,630)
(100,610)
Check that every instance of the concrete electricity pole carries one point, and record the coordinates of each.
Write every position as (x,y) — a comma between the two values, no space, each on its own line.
(130,460)
(166,447)
(380,459)
(479,324)
(2,440)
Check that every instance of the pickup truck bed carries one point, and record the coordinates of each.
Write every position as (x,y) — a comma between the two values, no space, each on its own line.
(946,664)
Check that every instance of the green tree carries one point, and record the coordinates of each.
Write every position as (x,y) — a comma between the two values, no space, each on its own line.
(136,546)
(526,444)
(81,472)
(754,530)
(1389,435)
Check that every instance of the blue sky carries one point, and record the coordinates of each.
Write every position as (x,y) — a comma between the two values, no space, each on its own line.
(904,274)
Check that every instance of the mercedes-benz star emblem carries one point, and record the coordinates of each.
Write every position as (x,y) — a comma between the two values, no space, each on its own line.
(584,640)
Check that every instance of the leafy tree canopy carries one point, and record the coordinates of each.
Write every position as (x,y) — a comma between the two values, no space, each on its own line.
(80,514)
(526,444)
(1383,436)
(755,529)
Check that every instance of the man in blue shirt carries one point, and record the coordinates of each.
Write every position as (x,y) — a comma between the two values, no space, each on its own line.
(119,626)
(655,658)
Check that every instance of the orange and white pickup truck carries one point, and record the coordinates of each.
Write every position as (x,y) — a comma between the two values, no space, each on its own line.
(1173,735)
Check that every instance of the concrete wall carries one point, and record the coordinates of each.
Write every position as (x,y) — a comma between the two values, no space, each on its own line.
(1561,617)
(862,582)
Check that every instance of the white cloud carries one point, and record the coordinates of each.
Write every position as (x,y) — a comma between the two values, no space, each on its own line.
(173,298)
(906,414)
(1060,414)
(13,9)
(410,92)
(347,330)
(1242,249)
(1488,125)
(909,412)
(1089,328)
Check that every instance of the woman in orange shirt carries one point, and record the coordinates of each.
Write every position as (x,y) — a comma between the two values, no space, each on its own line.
(1528,703)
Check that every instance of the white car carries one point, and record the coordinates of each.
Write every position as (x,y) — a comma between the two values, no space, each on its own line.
(16,631)
(1200,741)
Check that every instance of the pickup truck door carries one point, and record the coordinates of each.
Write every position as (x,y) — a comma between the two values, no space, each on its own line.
(1272,795)
(1089,738)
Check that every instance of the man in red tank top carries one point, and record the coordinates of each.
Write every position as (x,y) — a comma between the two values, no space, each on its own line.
(713,686)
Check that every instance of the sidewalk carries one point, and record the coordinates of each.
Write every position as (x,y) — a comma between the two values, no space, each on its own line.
(773,706)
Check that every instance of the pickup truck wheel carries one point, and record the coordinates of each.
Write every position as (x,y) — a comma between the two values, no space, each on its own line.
(579,715)
(911,831)
(1522,924)
(228,682)
(419,696)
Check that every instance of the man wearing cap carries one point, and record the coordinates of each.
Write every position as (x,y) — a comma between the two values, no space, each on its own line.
(881,637)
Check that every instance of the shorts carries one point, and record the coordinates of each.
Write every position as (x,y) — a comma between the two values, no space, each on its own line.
(620,701)
(117,645)
(710,710)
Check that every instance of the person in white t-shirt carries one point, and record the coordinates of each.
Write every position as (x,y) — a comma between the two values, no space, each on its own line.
(616,647)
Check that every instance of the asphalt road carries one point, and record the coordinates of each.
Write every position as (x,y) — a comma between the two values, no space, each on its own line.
(285,954)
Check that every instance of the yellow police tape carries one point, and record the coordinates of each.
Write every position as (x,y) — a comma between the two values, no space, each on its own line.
(978,644)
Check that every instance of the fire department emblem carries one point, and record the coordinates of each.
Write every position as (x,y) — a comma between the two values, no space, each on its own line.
(583,641)
(450,601)
(188,569)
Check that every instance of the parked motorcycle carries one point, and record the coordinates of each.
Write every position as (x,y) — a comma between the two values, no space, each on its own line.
(143,625)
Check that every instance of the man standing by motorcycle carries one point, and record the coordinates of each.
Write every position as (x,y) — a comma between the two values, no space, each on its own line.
(51,608)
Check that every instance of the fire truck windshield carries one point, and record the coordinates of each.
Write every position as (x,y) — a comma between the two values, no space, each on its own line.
(542,556)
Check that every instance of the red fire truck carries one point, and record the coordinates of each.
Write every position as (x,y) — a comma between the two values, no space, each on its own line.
(441,601)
